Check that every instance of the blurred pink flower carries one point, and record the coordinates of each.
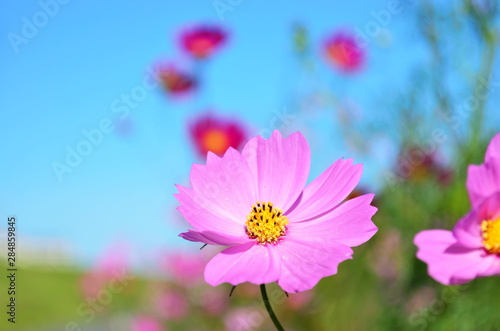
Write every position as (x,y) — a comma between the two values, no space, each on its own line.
(472,249)
(386,259)
(296,238)
(92,284)
(146,323)
(299,300)
(171,304)
(113,260)
(214,301)
(175,81)
(186,269)
(244,319)
(202,41)
(343,51)
(420,299)
(417,164)
(215,134)
(110,265)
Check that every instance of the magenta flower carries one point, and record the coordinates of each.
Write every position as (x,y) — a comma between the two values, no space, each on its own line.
(472,249)
(277,228)
(202,41)
(216,134)
(344,52)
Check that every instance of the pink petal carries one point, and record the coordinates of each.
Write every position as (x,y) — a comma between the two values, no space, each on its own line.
(349,223)
(214,238)
(493,269)
(475,264)
(305,262)
(483,180)
(493,150)
(257,264)
(225,186)
(449,263)
(281,167)
(327,191)
(196,211)
(489,209)
(467,231)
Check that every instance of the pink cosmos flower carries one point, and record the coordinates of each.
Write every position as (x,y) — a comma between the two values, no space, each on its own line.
(146,323)
(202,41)
(343,51)
(215,134)
(472,249)
(277,228)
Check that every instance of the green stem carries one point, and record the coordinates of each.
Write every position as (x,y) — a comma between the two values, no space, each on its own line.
(269,308)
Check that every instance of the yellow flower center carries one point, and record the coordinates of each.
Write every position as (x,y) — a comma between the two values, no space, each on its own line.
(491,235)
(265,223)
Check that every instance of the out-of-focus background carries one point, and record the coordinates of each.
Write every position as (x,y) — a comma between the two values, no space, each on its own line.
(105,106)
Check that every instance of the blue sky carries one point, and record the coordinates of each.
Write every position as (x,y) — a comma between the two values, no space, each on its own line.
(65,78)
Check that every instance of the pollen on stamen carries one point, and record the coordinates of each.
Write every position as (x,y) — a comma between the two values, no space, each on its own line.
(270,231)
(491,235)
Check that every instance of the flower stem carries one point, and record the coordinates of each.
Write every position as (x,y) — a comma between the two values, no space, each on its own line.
(269,308)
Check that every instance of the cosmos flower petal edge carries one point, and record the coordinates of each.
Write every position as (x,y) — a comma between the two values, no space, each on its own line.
(493,150)
(305,262)
(213,238)
(327,190)
(349,223)
(448,262)
(483,180)
(257,264)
